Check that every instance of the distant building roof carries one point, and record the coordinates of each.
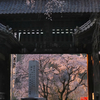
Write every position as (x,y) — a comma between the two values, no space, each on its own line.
(39,6)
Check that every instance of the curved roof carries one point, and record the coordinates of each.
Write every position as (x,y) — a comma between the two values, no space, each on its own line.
(85,26)
(41,6)
(2,27)
(8,37)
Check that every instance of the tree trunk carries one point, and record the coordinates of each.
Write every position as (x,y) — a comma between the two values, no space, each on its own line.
(66,97)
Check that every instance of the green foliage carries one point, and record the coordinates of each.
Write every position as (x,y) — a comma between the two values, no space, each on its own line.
(14,98)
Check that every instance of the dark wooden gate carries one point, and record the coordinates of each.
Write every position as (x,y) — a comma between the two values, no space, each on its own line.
(74,29)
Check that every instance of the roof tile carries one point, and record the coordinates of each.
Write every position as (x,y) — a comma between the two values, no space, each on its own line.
(69,6)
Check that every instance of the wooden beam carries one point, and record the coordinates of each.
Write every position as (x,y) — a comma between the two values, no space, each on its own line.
(89,76)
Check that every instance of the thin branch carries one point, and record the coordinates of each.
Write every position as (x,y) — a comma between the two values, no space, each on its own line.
(78,84)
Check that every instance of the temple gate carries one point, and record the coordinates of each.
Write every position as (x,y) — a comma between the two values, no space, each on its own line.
(74,29)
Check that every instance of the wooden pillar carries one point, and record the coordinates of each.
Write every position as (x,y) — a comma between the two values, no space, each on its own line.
(4,76)
(2,79)
(96,73)
(96,65)
(89,76)
(7,75)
